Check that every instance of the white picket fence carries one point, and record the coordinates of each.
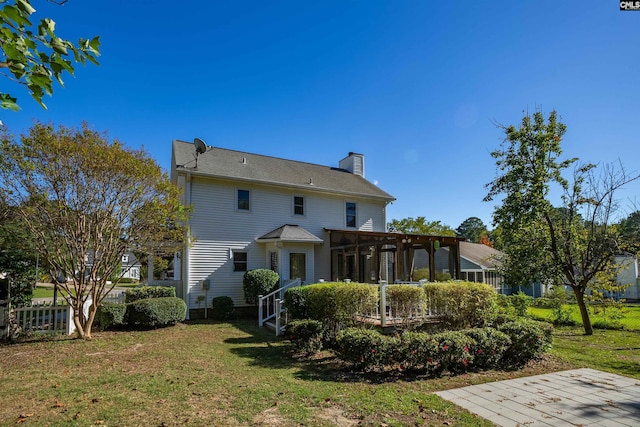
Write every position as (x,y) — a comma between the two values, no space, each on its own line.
(43,318)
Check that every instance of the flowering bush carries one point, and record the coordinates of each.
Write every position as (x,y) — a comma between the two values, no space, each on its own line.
(529,340)
(366,349)
(305,336)
(453,351)
(418,351)
(488,348)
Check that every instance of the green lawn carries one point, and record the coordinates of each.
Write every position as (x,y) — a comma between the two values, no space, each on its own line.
(631,320)
(202,374)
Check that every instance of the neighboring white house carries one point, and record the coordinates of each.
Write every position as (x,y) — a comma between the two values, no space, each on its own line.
(129,265)
(252,211)
(130,268)
(629,274)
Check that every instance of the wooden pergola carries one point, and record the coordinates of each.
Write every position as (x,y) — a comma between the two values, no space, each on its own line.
(356,253)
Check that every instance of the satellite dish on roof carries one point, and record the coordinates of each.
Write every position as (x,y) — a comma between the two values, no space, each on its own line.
(201,146)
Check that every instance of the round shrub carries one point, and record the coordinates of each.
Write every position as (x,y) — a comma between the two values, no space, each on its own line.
(418,351)
(259,282)
(153,312)
(145,292)
(488,348)
(453,351)
(305,336)
(366,349)
(520,302)
(110,315)
(541,302)
(295,301)
(529,340)
(223,308)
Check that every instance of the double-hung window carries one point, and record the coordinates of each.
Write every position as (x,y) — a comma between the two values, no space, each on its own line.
(239,261)
(350,209)
(298,205)
(243,200)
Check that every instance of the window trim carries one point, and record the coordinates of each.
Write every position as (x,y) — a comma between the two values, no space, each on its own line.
(233,254)
(238,208)
(294,205)
(346,214)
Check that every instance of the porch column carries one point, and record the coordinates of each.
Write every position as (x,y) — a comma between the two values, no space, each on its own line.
(430,248)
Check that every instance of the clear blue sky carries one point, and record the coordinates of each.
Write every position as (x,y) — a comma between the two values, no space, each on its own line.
(413,85)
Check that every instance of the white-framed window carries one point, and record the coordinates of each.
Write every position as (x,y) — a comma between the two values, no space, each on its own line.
(243,200)
(239,260)
(350,214)
(125,258)
(298,205)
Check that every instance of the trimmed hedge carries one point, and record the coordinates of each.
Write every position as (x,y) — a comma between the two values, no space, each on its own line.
(258,282)
(295,301)
(529,340)
(452,351)
(145,292)
(405,301)
(366,349)
(111,314)
(305,336)
(335,304)
(462,304)
(153,312)
(222,308)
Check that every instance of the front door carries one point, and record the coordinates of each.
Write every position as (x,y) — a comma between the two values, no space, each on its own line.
(298,266)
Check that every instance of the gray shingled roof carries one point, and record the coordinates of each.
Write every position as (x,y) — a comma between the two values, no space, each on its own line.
(290,233)
(482,255)
(237,165)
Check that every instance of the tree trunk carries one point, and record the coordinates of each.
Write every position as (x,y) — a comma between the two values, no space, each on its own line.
(586,320)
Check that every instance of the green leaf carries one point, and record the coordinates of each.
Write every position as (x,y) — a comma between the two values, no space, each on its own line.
(58,46)
(25,6)
(14,14)
(9,102)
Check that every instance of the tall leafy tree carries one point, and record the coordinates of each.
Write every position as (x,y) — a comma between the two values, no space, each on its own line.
(86,201)
(570,245)
(472,229)
(420,225)
(630,233)
(17,258)
(33,55)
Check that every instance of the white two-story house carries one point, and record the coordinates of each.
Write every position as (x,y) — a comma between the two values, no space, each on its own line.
(252,211)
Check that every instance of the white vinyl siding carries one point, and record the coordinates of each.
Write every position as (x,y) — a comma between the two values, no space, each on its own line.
(218,228)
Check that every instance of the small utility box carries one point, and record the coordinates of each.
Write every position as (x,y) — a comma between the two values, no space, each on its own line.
(205,284)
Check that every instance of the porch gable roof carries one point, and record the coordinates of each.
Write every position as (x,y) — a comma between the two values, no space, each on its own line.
(290,233)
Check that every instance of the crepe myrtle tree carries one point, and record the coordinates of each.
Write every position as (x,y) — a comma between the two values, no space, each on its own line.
(87,200)
(33,55)
(570,245)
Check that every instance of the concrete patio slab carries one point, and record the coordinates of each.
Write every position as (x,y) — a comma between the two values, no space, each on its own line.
(579,397)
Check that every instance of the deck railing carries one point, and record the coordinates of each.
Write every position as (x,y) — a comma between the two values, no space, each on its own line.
(270,309)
